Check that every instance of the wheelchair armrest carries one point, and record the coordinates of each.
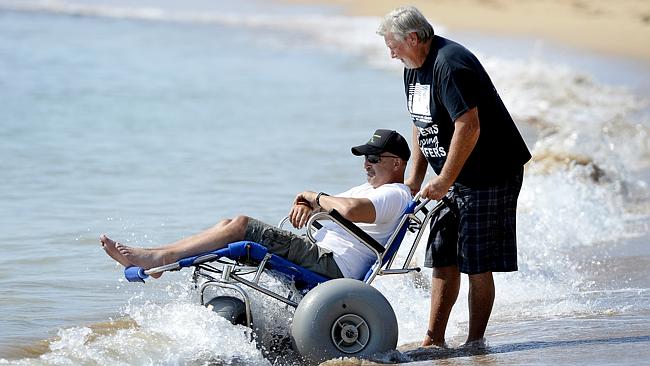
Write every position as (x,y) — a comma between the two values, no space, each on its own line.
(316,224)
(348,226)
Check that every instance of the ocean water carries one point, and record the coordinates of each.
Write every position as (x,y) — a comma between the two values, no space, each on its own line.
(152,120)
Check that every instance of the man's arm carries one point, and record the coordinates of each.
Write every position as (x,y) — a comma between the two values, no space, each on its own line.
(353,209)
(466,132)
(418,164)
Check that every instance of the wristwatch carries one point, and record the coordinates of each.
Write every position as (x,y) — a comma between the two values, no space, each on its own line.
(318,197)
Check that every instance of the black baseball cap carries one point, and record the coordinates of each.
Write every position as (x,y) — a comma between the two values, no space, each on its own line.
(384,141)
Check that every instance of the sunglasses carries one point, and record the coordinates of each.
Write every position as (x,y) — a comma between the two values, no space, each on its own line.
(375,159)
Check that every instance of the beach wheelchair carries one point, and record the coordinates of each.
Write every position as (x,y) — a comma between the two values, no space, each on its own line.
(333,318)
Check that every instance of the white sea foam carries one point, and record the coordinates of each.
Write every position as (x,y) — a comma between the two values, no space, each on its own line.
(174,329)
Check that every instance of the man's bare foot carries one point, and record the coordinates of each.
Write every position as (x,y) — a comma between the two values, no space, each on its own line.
(428,341)
(110,248)
(475,344)
(141,257)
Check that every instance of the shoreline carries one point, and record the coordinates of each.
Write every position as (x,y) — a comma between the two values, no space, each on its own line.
(610,28)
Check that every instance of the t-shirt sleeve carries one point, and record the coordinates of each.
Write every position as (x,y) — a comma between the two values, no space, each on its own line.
(389,203)
(347,193)
(457,88)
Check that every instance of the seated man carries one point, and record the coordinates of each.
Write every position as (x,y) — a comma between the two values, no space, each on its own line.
(375,206)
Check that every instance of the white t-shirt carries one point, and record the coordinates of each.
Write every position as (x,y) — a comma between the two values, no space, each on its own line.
(353,257)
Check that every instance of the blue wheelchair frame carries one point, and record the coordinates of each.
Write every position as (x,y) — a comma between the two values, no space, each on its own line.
(244,258)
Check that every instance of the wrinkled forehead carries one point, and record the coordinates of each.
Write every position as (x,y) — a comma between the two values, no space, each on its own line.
(391,41)
(390,38)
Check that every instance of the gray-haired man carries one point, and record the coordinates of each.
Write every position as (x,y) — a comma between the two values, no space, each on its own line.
(468,137)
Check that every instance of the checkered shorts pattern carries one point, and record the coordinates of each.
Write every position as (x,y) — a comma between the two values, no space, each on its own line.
(483,237)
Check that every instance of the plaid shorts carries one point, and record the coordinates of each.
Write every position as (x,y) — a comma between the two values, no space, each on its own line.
(292,247)
(481,235)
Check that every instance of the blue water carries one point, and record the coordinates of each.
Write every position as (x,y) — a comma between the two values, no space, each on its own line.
(152,121)
(150,128)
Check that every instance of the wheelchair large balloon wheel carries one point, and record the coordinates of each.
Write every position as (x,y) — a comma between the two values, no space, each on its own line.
(343,318)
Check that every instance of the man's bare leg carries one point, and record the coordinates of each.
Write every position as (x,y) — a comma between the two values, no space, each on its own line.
(445,285)
(196,237)
(214,238)
(481,299)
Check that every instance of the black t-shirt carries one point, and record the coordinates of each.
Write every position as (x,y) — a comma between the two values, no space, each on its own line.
(450,82)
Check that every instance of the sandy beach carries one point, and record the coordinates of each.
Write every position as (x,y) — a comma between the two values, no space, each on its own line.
(619,28)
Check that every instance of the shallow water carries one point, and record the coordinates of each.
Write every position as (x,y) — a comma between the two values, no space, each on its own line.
(152,121)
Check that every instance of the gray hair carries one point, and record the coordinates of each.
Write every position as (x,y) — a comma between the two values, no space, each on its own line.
(402,21)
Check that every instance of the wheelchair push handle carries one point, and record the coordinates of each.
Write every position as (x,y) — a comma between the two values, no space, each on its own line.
(418,197)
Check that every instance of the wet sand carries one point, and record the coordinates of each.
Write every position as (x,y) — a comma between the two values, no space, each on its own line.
(612,27)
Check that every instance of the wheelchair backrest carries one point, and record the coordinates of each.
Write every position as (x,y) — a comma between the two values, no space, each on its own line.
(396,240)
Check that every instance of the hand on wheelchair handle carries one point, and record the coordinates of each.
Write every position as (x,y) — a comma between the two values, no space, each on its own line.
(299,214)
(308,198)
(435,189)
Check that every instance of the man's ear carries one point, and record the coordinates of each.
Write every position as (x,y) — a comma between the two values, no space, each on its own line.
(413,38)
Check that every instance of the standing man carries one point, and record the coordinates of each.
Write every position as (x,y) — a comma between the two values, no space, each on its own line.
(468,137)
